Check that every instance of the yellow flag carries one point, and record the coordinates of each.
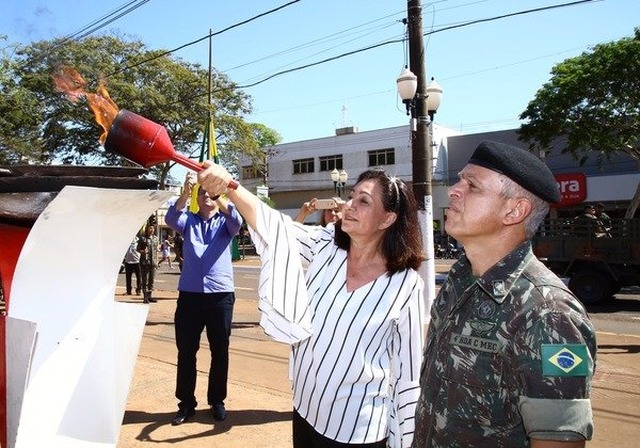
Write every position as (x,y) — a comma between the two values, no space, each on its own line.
(213,148)
(212,154)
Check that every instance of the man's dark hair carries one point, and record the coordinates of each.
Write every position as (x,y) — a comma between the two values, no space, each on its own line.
(402,242)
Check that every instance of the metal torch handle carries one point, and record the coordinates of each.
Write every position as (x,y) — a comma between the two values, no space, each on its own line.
(197,167)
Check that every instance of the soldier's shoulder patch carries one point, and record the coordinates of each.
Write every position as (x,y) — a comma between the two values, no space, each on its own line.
(564,359)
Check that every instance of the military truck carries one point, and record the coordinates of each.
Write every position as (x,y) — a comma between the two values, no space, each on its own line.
(598,260)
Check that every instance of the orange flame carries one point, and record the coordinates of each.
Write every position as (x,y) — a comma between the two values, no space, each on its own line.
(68,81)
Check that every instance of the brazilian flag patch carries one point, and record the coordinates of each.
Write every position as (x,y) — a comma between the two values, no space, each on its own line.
(565,360)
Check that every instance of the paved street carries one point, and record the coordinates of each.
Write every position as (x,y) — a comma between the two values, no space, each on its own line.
(259,402)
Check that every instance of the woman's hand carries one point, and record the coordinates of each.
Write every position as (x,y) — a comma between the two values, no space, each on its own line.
(214,178)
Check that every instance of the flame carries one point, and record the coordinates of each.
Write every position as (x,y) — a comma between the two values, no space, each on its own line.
(68,81)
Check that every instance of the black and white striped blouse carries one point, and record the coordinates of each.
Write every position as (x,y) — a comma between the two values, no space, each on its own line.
(355,359)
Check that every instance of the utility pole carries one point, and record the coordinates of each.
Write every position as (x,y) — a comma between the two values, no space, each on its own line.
(422,162)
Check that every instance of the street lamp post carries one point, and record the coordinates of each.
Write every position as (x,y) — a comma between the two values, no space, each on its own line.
(422,102)
(339,179)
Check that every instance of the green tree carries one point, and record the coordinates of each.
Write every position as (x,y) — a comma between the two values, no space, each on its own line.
(39,125)
(266,139)
(592,100)
(19,113)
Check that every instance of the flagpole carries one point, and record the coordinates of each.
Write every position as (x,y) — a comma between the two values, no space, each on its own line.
(213,149)
(207,150)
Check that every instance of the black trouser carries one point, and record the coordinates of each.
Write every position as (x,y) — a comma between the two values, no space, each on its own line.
(132,268)
(148,273)
(195,312)
(304,436)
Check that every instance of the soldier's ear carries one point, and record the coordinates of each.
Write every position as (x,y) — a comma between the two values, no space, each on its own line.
(517,209)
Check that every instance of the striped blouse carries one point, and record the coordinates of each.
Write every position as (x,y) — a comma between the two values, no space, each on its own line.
(355,358)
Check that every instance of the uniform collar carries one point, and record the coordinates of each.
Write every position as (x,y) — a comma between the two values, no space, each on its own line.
(501,277)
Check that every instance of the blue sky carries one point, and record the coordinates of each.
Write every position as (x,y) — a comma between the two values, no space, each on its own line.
(489,71)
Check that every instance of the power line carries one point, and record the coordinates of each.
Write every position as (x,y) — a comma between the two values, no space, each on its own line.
(333,58)
(208,36)
(331,48)
(96,24)
(512,64)
(107,19)
(368,29)
(464,24)
(395,41)
(130,6)
(103,21)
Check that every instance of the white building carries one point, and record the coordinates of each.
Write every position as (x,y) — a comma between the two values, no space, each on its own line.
(301,170)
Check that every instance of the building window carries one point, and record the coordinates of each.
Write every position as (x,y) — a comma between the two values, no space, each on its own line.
(379,157)
(330,163)
(302,166)
(250,172)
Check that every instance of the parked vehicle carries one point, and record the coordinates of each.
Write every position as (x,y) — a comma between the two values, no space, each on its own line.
(598,261)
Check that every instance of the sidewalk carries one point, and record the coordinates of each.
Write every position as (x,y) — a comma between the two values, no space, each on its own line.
(615,393)
(258,404)
(259,398)
(259,401)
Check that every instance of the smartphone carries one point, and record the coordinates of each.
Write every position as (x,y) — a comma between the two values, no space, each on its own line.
(322,204)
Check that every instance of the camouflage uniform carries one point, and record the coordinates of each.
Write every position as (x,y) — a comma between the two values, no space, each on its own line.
(509,355)
(148,263)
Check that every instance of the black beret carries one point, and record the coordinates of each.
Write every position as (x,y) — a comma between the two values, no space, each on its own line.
(521,166)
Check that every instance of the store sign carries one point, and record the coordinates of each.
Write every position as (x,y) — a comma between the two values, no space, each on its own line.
(573,188)
(262,191)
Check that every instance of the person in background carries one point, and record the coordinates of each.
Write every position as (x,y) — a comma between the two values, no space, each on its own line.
(586,223)
(132,266)
(148,248)
(510,352)
(328,215)
(205,294)
(165,251)
(243,239)
(605,220)
(178,241)
(354,318)
(588,213)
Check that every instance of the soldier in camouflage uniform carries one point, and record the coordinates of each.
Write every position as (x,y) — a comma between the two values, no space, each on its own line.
(148,248)
(510,351)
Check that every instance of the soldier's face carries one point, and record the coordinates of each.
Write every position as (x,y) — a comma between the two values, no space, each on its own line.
(475,204)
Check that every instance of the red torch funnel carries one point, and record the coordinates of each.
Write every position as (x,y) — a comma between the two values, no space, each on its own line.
(145,142)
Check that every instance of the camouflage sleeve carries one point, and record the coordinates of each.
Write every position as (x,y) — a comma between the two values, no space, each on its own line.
(555,356)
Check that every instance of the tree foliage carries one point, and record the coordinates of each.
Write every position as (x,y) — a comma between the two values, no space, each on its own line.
(267,139)
(593,100)
(39,125)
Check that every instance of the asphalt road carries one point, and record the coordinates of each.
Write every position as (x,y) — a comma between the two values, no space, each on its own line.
(620,315)
(259,401)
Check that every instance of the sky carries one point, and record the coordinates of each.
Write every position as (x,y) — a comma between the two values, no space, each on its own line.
(488,71)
